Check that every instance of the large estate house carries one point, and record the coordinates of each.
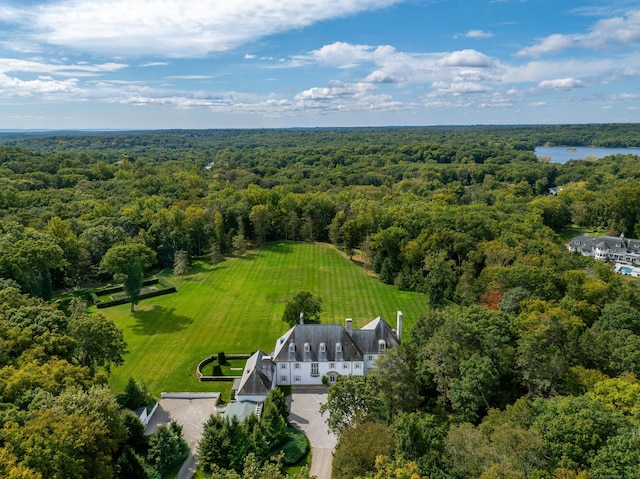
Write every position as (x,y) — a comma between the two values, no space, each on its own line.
(607,248)
(315,354)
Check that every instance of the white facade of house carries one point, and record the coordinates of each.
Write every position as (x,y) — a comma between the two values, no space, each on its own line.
(608,248)
(312,354)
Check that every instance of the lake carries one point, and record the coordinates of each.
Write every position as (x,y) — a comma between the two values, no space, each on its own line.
(562,154)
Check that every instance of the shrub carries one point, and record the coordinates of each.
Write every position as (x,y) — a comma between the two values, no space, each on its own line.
(222,359)
(294,449)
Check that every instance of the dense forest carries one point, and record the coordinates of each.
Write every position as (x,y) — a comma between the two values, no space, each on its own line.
(524,366)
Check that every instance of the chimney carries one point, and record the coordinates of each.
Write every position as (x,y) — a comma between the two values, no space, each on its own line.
(348,326)
(399,326)
(301,318)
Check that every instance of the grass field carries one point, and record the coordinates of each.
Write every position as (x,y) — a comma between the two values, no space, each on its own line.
(236,306)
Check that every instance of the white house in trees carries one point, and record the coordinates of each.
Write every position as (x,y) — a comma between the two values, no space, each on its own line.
(307,353)
(607,248)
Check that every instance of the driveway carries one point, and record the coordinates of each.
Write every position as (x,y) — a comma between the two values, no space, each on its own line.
(191,411)
(305,415)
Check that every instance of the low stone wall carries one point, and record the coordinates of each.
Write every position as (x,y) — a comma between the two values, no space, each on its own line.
(189,395)
(205,362)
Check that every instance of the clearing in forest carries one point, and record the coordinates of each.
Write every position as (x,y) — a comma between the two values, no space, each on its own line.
(236,307)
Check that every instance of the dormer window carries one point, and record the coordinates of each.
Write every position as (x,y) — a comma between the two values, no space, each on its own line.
(381,346)
(339,356)
(307,351)
(323,351)
(292,351)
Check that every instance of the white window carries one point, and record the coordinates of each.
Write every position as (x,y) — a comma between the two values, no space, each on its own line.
(381,346)
(283,379)
(283,365)
(332,378)
(338,347)
(296,365)
(370,357)
(357,366)
(323,348)
(296,379)
(307,348)
(332,365)
(292,348)
(345,365)
(314,369)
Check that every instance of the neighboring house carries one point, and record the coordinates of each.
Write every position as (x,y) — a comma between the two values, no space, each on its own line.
(607,248)
(310,354)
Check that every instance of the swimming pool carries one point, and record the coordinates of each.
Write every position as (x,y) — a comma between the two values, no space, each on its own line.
(624,270)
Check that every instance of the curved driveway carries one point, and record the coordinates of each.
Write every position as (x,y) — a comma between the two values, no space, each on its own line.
(305,415)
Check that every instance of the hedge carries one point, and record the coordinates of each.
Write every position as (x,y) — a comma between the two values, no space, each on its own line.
(167,288)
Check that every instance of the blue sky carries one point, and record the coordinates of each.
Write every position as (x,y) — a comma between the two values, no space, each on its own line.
(123,64)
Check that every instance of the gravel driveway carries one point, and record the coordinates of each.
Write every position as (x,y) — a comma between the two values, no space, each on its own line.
(305,415)
(191,411)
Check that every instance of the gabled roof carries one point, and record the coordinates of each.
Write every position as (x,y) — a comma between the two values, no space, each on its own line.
(241,409)
(305,342)
(314,335)
(255,380)
(368,337)
(610,243)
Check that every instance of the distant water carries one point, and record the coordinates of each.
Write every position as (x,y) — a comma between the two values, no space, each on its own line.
(562,154)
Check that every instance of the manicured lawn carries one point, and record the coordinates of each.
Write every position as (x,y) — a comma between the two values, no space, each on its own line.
(236,306)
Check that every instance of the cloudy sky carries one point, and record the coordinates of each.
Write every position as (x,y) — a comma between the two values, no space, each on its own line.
(286,63)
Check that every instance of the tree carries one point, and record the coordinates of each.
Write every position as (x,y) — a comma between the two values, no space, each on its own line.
(127,262)
(352,400)
(478,379)
(357,449)
(98,341)
(303,302)
(260,219)
(214,252)
(167,448)
(136,394)
(181,263)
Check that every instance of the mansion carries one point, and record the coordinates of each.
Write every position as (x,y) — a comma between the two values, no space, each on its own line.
(607,248)
(316,354)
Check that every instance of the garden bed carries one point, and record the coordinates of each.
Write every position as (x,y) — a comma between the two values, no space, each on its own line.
(114,295)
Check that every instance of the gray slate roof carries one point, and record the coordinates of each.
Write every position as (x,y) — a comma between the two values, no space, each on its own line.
(257,376)
(617,244)
(354,347)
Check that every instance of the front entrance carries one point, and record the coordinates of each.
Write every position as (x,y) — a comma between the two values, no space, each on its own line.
(332,377)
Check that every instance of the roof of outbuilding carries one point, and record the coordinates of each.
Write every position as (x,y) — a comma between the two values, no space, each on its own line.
(254,381)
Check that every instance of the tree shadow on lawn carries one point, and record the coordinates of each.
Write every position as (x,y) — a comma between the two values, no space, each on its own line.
(159,320)
(280,247)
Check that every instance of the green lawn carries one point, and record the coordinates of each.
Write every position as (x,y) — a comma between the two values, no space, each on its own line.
(236,306)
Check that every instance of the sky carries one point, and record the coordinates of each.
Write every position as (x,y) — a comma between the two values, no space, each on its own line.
(154,64)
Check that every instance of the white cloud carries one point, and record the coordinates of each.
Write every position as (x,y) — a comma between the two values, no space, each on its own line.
(379,76)
(335,90)
(15,87)
(173,28)
(249,57)
(346,55)
(466,58)
(561,84)
(79,69)
(624,29)
(478,34)
(458,88)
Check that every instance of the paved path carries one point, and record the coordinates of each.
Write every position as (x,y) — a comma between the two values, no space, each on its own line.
(305,415)
(191,414)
